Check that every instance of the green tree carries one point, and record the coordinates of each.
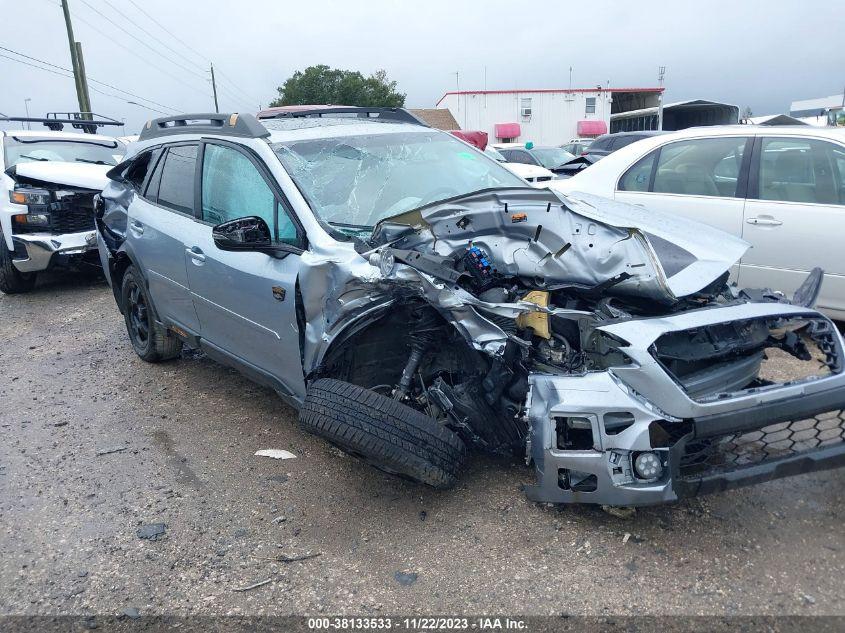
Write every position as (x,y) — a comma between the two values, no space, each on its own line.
(317,85)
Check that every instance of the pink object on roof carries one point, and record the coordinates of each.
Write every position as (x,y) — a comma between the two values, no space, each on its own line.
(473,137)
(507,130)
(592,128)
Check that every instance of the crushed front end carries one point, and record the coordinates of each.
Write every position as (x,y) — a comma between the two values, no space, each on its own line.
(690,404)
(52,222)
(608,346)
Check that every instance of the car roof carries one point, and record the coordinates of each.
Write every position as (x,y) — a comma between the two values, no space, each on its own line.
(287,130)
(641,133)
(296,129)
(768,130)
(69,136)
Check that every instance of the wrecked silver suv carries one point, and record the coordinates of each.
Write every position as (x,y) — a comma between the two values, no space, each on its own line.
(412,298)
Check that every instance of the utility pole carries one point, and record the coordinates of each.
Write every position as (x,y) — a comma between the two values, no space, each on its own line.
(78,77)
(214,88)
(83,80)
(661,73)
(26,107)
(457,80)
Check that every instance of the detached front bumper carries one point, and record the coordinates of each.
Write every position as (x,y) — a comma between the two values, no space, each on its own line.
(40,251)
(587,431)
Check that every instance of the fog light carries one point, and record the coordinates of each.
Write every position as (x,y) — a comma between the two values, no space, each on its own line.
(648,466)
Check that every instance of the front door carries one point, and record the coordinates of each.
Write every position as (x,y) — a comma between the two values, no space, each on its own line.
(246,301)
(795,217)
(159,219)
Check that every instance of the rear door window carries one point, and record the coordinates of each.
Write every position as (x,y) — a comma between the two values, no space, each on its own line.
(700,167)
(138,170)
(801,170)
(638,177)
(176,190)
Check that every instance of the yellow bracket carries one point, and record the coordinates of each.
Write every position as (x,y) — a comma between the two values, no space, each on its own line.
(537,321)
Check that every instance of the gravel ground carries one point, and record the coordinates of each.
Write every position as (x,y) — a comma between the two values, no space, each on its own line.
(179,442)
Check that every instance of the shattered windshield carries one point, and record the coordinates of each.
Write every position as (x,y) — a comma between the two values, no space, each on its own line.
(34,149)
(360,180)
(551,157)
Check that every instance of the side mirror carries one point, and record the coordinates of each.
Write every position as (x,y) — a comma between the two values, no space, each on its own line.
(243,234)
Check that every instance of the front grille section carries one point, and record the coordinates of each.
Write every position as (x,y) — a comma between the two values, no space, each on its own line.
(70,212)
(723,360)
(705,457)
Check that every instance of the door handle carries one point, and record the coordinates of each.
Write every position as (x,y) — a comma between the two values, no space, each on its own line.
(764,221)
(137,227)
(195,253)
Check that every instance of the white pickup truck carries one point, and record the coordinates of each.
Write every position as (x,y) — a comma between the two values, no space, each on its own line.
(47,186)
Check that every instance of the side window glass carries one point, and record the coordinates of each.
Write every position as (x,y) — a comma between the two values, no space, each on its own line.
(233,188)
(137,172)
(801,170)
(638,176)
(700,167)
(151,193)
(287,229)
(177,179)
(522,157)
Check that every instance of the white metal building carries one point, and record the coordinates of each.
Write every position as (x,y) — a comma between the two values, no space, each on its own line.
(822,111)
(546,117)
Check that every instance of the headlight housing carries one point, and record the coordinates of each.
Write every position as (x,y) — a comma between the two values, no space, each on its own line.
(30,197)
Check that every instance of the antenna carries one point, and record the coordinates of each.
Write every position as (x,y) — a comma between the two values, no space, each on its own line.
(661,73)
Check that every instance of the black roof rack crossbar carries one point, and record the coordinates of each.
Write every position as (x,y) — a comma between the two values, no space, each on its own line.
(398,115)
(56,121)
(242,125)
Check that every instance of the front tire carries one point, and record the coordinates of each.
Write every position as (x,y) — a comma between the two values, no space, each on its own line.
(13,281)
(385,433)
(151,342)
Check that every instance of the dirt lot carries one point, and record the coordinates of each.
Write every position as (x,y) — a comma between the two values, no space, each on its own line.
(179,442)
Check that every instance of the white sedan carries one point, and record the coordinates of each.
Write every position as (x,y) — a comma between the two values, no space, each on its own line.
(782,189)
(536,175)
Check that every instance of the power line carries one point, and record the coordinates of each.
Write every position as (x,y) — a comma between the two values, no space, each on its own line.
(243,92)
(142,29)
(204,58)
(134,54)
(175,37)
(138,39)
(103,83)
(20,61)
(242,98)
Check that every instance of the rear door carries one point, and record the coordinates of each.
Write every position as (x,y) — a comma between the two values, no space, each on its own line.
(795,217)
(157,223)
(246,301)
(703,179)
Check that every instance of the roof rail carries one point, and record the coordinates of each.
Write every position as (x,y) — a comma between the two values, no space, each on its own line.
(396,115)
(85,121)
(243,125)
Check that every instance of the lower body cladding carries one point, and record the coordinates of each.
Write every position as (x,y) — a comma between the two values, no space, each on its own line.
(596,439)
(39,251)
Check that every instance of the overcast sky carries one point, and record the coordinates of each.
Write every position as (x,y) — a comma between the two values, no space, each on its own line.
(757,54)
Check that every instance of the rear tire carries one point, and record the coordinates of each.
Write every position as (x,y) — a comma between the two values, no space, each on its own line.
(151,342)
(385,433)
(13,281)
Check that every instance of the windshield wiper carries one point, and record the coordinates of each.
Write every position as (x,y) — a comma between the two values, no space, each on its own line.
(93,162)
(34,157)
